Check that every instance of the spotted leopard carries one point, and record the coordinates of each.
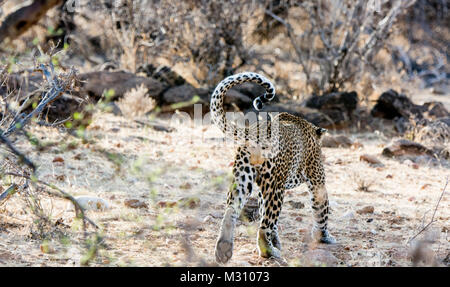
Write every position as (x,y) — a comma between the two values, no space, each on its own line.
(276,155)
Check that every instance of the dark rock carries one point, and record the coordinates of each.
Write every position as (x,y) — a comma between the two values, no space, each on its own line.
(163,74)
(312,115)
(240,100)
(373,160)
(337,107)
(436,110)
(335,101)
(66,106)
(251,90)
(366,210)
(182,98)
(391,105)
(182,94)
(336,141)
(95,83)
(403,147)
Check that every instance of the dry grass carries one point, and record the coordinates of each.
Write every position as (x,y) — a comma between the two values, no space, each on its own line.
(136,102)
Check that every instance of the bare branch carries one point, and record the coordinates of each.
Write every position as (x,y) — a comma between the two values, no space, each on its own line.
(21,20)
(434,213)
(21,156)
(59,84)
(79,210)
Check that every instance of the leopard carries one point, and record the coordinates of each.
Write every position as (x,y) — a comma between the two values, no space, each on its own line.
(271,157)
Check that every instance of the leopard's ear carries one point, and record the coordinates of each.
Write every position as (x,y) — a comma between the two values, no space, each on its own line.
(320,131)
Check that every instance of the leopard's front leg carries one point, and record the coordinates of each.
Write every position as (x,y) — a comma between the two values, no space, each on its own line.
(269,244)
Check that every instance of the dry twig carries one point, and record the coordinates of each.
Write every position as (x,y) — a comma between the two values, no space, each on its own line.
(432,217)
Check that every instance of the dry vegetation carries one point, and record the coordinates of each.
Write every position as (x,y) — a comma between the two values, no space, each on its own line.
(92,174)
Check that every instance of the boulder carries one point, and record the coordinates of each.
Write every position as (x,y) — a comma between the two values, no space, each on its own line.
(95,83)
(434,133)
(436,110)
(183,98)
(180,97)
(251,90)
(312,115)
(338,107)
(336,141)
(391,105)
(163,74)
(403,147)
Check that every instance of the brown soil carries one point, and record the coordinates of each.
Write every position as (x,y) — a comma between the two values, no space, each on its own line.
(128,161)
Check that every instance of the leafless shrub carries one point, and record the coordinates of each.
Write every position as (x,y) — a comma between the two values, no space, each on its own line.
(18,171)
(425,56)
(207,36)
(136,102)
(340,39)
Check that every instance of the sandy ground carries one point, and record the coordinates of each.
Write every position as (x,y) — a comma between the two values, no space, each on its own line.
(126,160)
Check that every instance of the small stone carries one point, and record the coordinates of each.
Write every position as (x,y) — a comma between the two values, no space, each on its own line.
(190,202)
(336,141)
(134,203)
(299,219)
(164,204)
(425,186)
(357,145)
(319,257)
(348,215)
(366,210)
(403,147)
(371,159)
(369,220)
(186,185)
(47,248)
(78,156)
(58,159)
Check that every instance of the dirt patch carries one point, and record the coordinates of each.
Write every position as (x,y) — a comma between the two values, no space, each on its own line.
(190,169)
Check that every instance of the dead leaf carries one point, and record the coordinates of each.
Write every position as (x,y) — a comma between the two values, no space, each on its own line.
(58,159)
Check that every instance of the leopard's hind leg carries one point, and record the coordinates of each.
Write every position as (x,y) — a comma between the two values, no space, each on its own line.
(244,175)
(315,179)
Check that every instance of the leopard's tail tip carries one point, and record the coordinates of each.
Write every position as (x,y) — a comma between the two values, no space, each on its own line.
(258,104)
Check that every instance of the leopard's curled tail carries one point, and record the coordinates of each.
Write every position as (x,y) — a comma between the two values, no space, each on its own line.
(217,111)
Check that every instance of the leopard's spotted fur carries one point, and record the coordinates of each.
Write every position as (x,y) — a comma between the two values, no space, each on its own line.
(276,155)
